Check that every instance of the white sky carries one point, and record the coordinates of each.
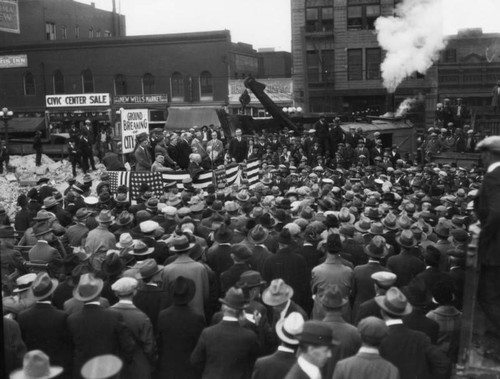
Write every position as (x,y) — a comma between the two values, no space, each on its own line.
(265,23)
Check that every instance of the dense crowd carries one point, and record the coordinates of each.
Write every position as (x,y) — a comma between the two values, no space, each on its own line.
(345,260)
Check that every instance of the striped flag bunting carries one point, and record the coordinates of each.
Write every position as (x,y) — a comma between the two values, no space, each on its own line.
(157,180)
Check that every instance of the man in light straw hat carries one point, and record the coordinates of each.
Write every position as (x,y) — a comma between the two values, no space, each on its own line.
(96,330)
(410,351)
(106,366)
(227,349)
(277,365)
(36,364)
(145,354)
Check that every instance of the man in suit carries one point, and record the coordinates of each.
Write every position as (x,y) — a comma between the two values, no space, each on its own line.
(260,253)
(315,343)
(489,238)
(179,329)
(238,148)
(363,289)
(347,336)
(495,100)
(368,363)
(42,252)
(240,254)
(145,353)
(96,330)
(410,351)
(151,298)
(143,160)
(406,265)
(277,365)
(227,350)
(43,327)
(383,280)
(219,255)
(187,267)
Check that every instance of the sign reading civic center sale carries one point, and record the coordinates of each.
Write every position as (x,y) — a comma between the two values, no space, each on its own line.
(78,100)
(134,122)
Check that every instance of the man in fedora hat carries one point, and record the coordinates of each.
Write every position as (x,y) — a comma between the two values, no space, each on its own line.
(36,364)
(291,267)
(332,272)
(142,153)
(101,237)
(51,205)
(219,256)
(145,353)
(227,349)
(382,281)
(277,365)
(43,327)
(368,363)
(76,233)
(179,329)
(185,266)
(151,297)
(260,253)
(409,350)
(97,330)
(42,251)
(240,254)
(20,298)
(44,189)
(315,343)
(332,300)
(406,265)
(10,258)
(363,289)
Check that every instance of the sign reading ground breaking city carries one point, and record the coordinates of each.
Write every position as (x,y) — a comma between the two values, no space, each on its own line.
(134,122)
(9,16)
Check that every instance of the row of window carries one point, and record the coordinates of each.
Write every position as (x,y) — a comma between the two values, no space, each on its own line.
(180,85)
(321,65)
(51,32)
(359,16)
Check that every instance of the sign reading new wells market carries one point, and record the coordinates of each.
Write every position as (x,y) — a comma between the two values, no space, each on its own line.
(78,100)
(12,61)
(141,99)
(9,16)
(134,122)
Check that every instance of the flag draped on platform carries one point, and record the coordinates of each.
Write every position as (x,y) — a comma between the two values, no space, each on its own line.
(157,180)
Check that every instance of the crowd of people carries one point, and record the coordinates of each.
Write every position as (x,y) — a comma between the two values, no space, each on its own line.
(338,263)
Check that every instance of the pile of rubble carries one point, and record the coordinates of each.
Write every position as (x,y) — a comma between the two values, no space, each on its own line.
(23,175)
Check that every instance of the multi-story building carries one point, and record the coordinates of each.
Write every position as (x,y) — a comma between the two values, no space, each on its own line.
(336,58)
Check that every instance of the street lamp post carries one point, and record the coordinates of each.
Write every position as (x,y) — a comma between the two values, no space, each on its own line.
(6,115)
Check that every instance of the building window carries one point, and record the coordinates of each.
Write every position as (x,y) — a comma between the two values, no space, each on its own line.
(373,59)
(177,87)
(58,82)
(29,84)
(354,64)
(148,84)
(312,62)
(327,65)
(206,86)
(87,81)
(120,85)
(50,31)
(450,56)
(91,32)
(362,16)
(64,32)
(98,33)
(319,19)
(77,32)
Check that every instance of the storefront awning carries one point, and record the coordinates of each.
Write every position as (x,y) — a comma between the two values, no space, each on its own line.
(24,124)
(187,117)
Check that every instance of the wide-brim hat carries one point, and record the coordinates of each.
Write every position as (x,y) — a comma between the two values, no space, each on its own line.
(406,239)
(277,293)
(394,302)
(41,230)
(105,217)
(332,298)
(250,279)
(258,234)
(181,244)
(102,366)
(124,218)
(288,328)
(112,265)
(363,225)
(42,216)
(317,333)
(89,287)
(49,202)
(36,364)
(140,248)
(182,290)
(235,299)
(223,234)
(148,268)
(376,248)
(43,286)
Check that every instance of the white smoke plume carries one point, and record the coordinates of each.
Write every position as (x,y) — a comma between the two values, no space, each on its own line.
(412,39)
(405,106)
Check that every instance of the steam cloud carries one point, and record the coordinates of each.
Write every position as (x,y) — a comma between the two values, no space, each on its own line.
(412,39)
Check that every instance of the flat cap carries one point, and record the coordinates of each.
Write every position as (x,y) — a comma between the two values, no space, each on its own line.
(124,286)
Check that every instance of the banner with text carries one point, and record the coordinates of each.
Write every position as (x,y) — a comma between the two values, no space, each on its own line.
(78,100)
(134,122)
(9,16)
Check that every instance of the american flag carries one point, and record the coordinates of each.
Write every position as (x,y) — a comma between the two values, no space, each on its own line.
(157,180)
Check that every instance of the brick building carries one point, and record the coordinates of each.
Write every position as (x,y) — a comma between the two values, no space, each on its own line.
(336,58)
